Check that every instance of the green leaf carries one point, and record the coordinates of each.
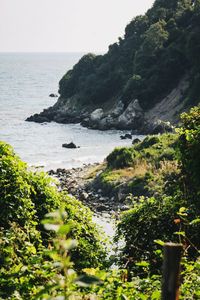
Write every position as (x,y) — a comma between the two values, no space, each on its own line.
(64,229)
(155,295)
(182,211)
(182,233)
(194,222)
(159,242)
(142,264)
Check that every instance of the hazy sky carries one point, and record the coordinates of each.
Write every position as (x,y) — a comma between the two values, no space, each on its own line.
(65,25)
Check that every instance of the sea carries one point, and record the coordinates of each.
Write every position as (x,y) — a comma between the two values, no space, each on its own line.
(26,80)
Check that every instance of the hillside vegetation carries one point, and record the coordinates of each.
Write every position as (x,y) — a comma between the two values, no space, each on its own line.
(25,199)
(156,52)
(47,238)
(152,74)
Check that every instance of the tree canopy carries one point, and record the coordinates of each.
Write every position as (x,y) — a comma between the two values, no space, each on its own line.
(159,47)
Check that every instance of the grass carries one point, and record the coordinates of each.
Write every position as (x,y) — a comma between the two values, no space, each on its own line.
(151,163)
(93,171)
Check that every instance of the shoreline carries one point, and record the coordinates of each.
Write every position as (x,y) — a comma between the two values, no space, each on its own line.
(79,182)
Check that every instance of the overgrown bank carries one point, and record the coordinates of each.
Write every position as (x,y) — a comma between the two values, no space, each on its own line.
(160,176)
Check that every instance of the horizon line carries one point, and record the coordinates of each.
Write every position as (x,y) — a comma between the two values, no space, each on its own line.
(53,52)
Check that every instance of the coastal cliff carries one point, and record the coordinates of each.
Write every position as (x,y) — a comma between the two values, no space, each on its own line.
(147,78)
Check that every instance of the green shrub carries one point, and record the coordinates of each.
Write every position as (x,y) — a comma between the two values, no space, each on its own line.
(150,219)
(138,186)
(25,198)
(189,149)
(173,186)
(149,141)
(121,157)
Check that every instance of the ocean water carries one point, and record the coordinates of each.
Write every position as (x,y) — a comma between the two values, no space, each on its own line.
(26,80)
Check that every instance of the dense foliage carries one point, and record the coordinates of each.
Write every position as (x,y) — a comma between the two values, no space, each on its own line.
(157,50)
(120,158)
(142,168)
(167,206)
(67,260)
(189,144)
(25,198)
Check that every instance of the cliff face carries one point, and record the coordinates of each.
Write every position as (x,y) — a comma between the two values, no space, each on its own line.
(152,73)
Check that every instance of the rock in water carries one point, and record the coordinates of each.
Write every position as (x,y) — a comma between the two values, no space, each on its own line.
(37,118)
(53,95)
(70,146)
(126,136)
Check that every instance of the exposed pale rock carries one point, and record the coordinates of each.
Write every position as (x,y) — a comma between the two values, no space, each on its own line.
(160,126)
(97,115)
(107,123)
(132,117)
(118,109)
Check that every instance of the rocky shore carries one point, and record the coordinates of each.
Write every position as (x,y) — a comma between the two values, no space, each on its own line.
(116,116)
(79,182)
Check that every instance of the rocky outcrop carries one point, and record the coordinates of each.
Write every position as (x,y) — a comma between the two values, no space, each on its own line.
(101,91)
(64,111)
(160,126)
(96,115)
(132,117)
(117,116)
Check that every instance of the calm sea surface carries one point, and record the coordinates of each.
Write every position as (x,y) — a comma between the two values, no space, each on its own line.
(26,80)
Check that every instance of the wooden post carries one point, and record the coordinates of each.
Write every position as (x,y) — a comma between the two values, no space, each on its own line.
(171,271)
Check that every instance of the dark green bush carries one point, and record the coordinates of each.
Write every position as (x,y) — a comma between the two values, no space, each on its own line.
(174,186)
(149,141)
(121,157)
(189,148)
(25,198)
(138,186)
(150,219)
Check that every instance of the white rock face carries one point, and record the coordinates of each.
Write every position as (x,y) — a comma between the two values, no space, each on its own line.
(131,113)
(118,109)
(97,115)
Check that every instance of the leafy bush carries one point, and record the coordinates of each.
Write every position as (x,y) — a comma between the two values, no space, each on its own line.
(26,197)
(189,146)
(120,158)
(150,219)
(139,185)
(190,288)
(172,186)
(150,141)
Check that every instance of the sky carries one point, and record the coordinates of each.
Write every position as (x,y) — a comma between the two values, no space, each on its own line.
(65,25)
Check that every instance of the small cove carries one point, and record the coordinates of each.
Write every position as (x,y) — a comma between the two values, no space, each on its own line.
(26,81)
